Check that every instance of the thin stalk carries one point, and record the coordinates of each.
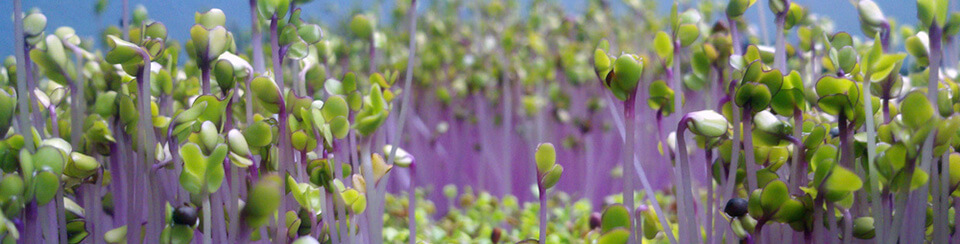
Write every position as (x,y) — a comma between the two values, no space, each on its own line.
(543,209)
(233,204)
(763,22)
(901,200)
(61,221)
(207,239)
(256,39)
(629,121)
(147,145)
(77,98)
(942,230)
(748,149)
(780,53)
(799,174)
(936,57)
(690,223)
(367,166)
(275,54)
(676,73)
(735,36)
(872,172)
(848,227)
(205,77)
(711,196)
(284,141)
(731,182)
(643,176)
(249,100)
(404,104)
(831,223)
(412,205)
(23,104)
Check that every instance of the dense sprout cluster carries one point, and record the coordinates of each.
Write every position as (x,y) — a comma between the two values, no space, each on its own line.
(426,124)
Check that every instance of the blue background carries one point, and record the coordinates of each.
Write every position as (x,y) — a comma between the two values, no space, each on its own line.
(178,14)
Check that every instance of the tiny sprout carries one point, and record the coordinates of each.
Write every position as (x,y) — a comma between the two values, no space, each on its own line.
(546,157)
(403,158)
(362,26)
(863,228)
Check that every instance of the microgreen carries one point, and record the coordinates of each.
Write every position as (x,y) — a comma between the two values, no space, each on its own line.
(832,136)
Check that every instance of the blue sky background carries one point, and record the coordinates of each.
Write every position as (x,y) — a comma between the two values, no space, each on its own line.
(178,14)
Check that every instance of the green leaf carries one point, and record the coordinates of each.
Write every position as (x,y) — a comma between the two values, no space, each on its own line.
(708,123)
(917,46)
(340,127)
(628,69)
(837,95)
(863,228)
(920,112)
(50,159)
(361,26)
(209,135)
(545,157)
(238,143)
(298,50)
(841,182)
(214,172)
(790,211)
(615,236)
(552,176)
(870,13)
(310,33)
(335,106)
(194,168)
(773,196)
(687,34)
(663,45)
(46,184)
(884,66)
(34,23)
(81,166)
(118,235)
(267,92)
(11,186)
(661,97)
(736,8)
(121,51)
(847,58)
(614,216)
(263,200)
(210,19)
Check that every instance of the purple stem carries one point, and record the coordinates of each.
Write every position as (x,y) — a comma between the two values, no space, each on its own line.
(23,102)
(688,216)
(629,121)
(205,76)
(748,149)
(711,197)
(284,148)
(543,208)
(256,39)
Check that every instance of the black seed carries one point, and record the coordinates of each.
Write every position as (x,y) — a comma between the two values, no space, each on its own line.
(185,215)
(736,207)
(495,235)
(594,220)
